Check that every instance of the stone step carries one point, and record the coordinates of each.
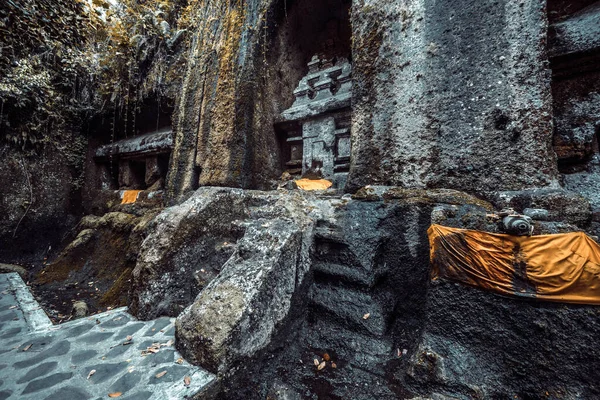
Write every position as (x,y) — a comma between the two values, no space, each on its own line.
(352,308)
(329,233)
(332,271)
(348,346)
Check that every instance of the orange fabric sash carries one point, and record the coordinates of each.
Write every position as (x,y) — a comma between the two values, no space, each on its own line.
(130,196)
(563,267)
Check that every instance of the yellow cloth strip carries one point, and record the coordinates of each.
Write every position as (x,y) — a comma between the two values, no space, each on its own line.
(563,267)
(313,184)
(130,196)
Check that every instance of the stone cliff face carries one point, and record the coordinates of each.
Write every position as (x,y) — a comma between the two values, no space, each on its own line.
(441,98)
(457,109)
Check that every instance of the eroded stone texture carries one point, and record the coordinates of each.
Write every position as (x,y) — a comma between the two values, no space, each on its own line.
(578,33)
(236,314)
(445,98)
(478,344)
(185,249)
(363,299)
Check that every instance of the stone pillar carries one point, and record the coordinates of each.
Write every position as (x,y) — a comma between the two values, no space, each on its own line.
(153,171)
(127,176)
(106,181)
(451,93)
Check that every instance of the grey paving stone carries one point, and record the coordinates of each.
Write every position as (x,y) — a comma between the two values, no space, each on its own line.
(39,371)
(117,351)
(130,329)
(164,356)
(126,382)
(95,337)
(78,330)
(8,316)
(145,344)
(47,382)
(119,320)
(170,331)
(83,356)
(10,333)
(139,396)
(159,324)
(36,342)
(58,349)
(103,372)
(58,359)
(174,373)
(69,393)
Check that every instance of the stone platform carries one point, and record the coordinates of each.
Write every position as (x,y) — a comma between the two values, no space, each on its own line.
(131,359)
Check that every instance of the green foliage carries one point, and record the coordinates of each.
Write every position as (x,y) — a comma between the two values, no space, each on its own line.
(64,61)
(45,68)
(143,56)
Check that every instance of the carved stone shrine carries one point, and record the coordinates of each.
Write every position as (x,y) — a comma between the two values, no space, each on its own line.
(316,129)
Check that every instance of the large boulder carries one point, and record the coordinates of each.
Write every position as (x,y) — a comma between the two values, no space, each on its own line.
(236,315)
(185,249)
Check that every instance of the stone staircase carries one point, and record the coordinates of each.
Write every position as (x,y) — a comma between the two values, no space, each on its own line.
(347,317)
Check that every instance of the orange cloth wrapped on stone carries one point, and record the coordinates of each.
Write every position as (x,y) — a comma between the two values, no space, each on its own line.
(562,267)
(130,196)
(313,184)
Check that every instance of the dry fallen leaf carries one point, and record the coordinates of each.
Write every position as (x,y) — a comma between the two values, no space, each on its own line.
(179,360)
(160,374)
(92,372)
(27,347)
(115,394)
(366,316)
(326,357)
(316,362)
(187,380)
(322,365)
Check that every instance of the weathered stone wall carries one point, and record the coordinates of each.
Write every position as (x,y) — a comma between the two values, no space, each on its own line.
(40,196)
(451,94)
(442,97)
(244,63)
(214,140)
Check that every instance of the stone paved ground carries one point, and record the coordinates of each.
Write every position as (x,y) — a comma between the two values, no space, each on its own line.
(42,361)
